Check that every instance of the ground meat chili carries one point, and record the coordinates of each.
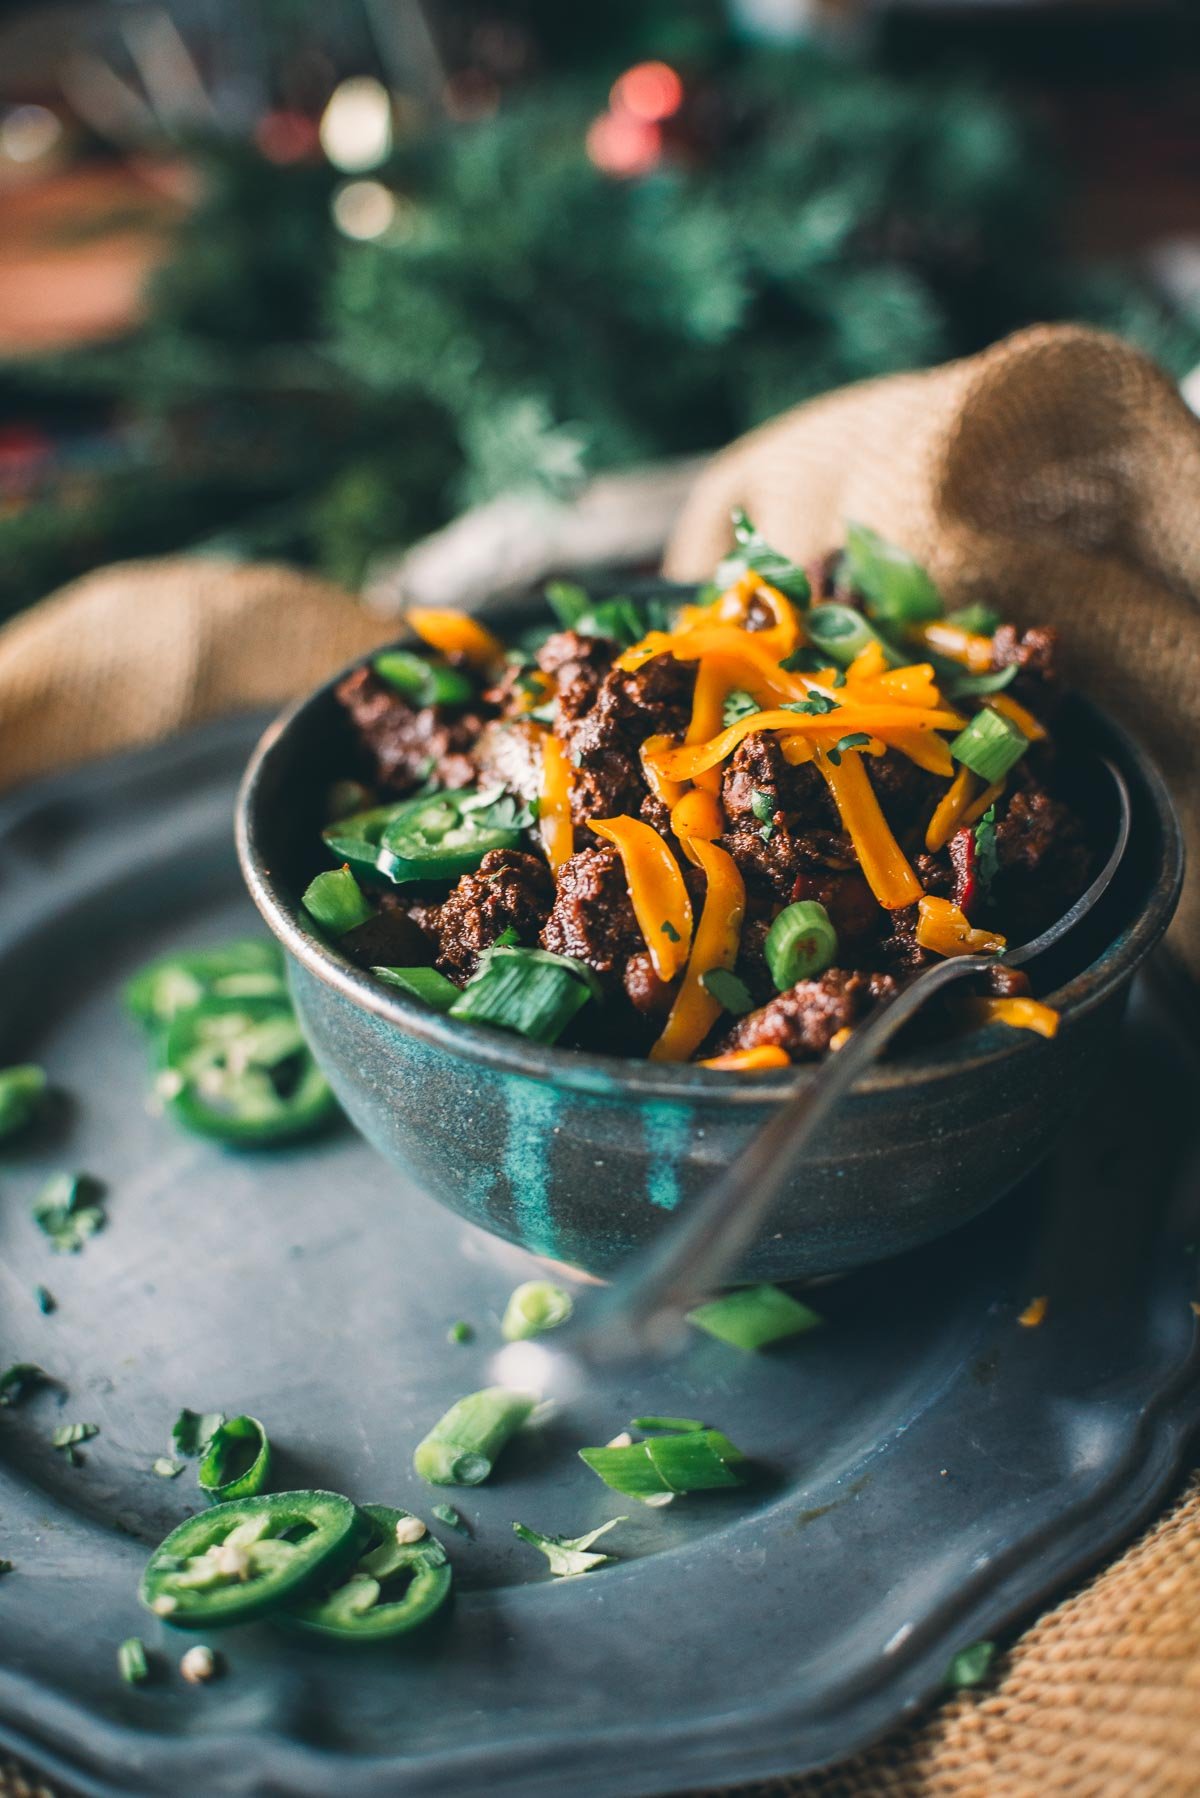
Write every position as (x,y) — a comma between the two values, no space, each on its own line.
(715,830)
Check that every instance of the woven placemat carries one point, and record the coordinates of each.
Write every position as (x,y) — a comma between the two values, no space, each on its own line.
(1094,524)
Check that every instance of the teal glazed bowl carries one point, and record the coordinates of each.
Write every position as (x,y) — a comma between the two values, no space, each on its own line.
(584,1157)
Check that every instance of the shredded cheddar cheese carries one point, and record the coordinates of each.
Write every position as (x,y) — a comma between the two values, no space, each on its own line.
(1020,716)
(697,814)
(718,936)
(1034,1312)
(946,930)
(988,797)
(884,864)
(950,809)
(881,721)
(656,890)
(840,1038)
(749,1061)
(957,645)
(554,808)
(667,792)
(1019,1014)
(456,633)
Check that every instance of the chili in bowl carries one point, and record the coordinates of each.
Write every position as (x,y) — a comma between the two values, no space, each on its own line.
(569,899)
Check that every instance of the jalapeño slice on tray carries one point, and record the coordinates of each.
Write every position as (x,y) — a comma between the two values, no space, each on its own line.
(240,1070)
(244,1558)
(392,1588)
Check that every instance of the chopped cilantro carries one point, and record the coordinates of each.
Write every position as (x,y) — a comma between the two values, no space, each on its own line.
(763,807)
(6,1567)
(45,1300)
(460,1332)
(754,553)
(67,1211)
(738,705)
(816,705)
(568,1555)
(857,739)
(987,861)
(730,993)
(670,932)
(192,1431)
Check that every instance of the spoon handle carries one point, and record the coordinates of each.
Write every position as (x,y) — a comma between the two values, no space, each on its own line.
(646,1310)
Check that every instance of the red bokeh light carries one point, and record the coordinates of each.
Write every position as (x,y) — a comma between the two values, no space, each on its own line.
(620,144)
(649,90)
(287,136)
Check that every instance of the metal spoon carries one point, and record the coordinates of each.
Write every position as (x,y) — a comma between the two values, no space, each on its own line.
(643,1313)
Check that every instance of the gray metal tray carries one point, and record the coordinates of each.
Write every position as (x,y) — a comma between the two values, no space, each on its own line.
(931,1470)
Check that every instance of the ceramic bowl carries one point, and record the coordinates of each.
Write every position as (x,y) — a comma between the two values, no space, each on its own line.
(584,1157)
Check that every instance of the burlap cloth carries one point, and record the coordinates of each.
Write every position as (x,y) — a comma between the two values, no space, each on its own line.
(1057,474)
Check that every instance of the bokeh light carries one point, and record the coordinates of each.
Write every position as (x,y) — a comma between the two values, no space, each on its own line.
(649,90)
(620,144)
(363,209)
(356,126)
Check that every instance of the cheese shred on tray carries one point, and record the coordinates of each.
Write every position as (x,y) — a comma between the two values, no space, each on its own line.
(714,828)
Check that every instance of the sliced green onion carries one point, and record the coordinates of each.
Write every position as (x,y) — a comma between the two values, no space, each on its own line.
(979,619)
(425,984)
(738,704)
(68,1436)
(68,1212)
(800,943)
(451,1518)
(971,1666)
(460,1332)
(753,1316)
(21,1379)
(568,1555)
(167,1468)
(568,601)
(21,1092)
(754,553)
(956,683)
(732,994)
(528,991)
(132,1664)
(336,902)
(534,1307)
(666,1423)
(462,1446)
(694,1461)
(192,1431)
(237,1460)
(841,633)
(990,745)
(896,589)
(423,682)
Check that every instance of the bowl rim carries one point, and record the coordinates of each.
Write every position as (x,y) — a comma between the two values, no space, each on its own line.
(586,1071)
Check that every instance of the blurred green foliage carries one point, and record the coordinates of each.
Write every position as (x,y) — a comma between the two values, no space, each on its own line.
(528,318)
